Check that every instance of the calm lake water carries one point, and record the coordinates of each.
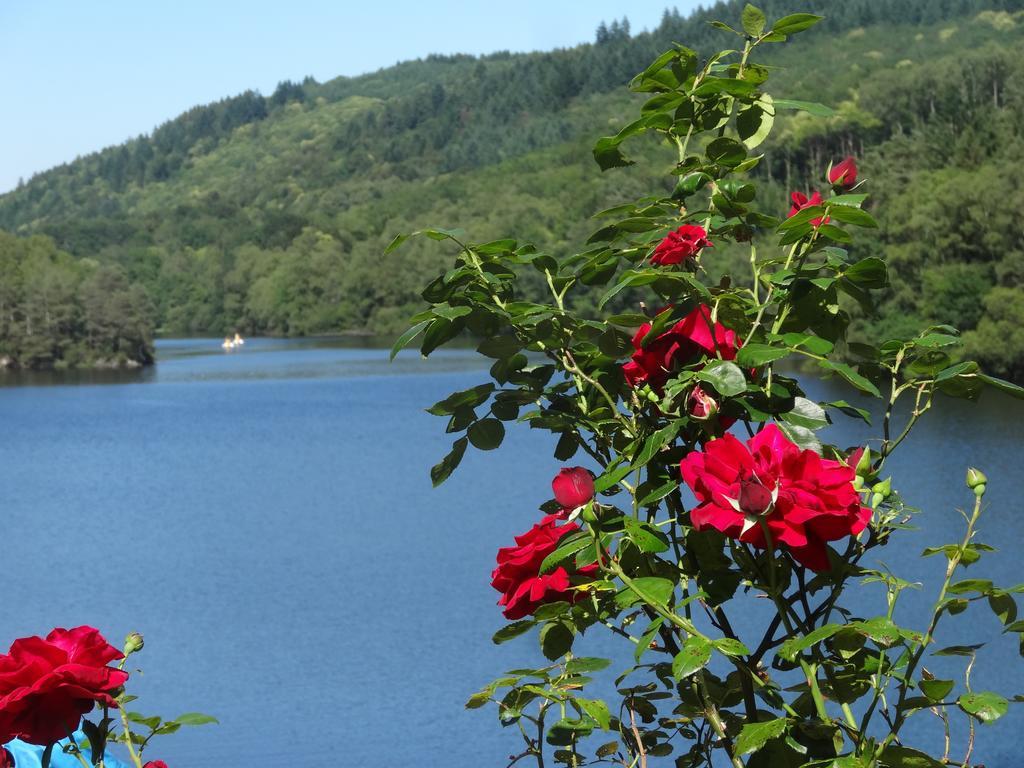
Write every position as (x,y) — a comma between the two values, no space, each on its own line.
(266,519)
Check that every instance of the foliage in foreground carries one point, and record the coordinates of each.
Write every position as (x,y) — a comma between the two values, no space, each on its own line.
(685,524)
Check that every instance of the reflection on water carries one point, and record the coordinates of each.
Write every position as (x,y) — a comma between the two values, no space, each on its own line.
(265,517)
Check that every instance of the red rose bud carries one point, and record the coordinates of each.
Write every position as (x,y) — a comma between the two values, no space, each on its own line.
(754,498)
(155,764)
(700,405)
(801,201)
(573,487)
(844,174)
(685,243)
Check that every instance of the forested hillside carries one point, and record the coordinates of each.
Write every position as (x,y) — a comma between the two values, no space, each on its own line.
(57,311)
(270,214)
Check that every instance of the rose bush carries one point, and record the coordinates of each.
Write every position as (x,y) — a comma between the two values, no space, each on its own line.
(691,534)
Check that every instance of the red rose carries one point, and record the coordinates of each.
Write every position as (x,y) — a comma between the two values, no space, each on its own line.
(801,201)
(803,499)
(524,588)
(688,341)
(6,760)
(685,243)
(843,174)
(155,764)
(573,487)
(47,685)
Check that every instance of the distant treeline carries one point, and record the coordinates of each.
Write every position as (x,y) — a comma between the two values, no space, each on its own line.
(270,214)
(57,311)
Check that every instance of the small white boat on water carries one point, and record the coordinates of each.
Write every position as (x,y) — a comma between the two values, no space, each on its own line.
(232,343)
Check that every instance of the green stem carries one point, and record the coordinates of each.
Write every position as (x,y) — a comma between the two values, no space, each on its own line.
(937,610)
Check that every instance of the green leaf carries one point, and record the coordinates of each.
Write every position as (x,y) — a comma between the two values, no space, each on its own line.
(651,589)
(754,123)
(409,335)
(813,108)
(726,377)
(396,243)
(644,536)
(444,468)
(753,736)
(868,273)
(795,22)
(789,649)
(982,586)
(644,643)
(896,756)
(659,493)
(598,710)
(754,355)
(726,151)
(555,640)
(850,215)
(1003,386)
(985,705)
(567,547)
(936,690)
(509,631)
(881,630)
(753,20)
(583,664)
(486,434)
(694,656)
(958,650)
(194,718)
(610,478)
(731,647)
(806,413)
(851,376)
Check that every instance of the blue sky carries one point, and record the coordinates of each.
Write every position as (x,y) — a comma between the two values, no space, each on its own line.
(79,76)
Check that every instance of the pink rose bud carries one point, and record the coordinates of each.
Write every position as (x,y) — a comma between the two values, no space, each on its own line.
(843,174)
(701,405)
(573,487)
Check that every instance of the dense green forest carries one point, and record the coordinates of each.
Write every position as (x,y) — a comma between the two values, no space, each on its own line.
(270,214)
(57,311)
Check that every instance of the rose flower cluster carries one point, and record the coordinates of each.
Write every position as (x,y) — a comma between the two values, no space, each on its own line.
(766,492)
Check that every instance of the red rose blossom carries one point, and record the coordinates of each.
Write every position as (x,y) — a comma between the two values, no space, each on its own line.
(47,685)
(6,760)
(573,487)
(688,341)
(801,201)
(155,764)
(524,588)
(685,243)
(843,174)
(803,499)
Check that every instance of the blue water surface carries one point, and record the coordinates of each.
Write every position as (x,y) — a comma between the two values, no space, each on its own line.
(265,517)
